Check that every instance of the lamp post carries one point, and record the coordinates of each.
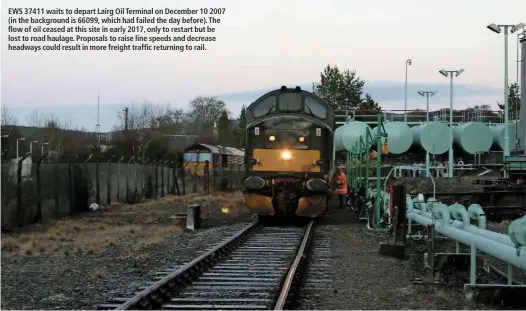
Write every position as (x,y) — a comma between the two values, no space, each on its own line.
(407,64)
(497,29)
(17,140)
(31,146)
(450,73)
(427,94)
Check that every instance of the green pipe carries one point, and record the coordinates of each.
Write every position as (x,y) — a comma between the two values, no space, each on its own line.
(368,141)
(358,152)
(348,168)
(378,166)
(360,172)
(473,266)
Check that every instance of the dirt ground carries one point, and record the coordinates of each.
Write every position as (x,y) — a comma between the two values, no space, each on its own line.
(79,262)
(363,279)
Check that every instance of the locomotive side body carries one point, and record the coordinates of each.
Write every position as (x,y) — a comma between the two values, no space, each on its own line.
(289,154)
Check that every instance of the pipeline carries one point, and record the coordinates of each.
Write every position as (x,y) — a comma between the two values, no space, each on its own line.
(497,237)
(498,250)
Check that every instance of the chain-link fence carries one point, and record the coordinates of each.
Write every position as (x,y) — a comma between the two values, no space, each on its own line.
(35,191)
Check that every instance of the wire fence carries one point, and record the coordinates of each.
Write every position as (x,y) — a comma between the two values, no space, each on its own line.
(34,191)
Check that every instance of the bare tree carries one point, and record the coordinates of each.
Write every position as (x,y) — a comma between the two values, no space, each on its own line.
(142,123)
(8,121)
(52,131)
(205,111)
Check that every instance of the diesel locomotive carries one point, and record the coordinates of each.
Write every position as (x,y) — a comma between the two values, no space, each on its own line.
(289,154)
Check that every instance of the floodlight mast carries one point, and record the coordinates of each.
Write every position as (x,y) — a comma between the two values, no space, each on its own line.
(427,94)
(408,62)
(497,29)
(451,74)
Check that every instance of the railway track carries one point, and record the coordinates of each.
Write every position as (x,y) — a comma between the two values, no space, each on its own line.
(258,268)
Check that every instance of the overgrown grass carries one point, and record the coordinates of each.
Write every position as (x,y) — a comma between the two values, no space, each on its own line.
(82,236)
(139,227)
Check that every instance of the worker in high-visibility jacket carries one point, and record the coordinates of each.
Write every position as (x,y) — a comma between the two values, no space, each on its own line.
(341,187)
(385,148)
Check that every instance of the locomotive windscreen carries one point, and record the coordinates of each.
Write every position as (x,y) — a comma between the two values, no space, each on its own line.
(290,102)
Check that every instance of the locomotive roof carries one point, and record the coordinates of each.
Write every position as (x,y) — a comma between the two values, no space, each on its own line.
(250,117)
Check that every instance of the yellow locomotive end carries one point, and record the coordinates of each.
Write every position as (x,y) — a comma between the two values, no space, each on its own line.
(284,160)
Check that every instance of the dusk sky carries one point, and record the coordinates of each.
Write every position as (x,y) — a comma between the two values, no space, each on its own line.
(265,44)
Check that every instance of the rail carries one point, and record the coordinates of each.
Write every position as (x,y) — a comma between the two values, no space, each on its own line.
(294,269)
(241,262)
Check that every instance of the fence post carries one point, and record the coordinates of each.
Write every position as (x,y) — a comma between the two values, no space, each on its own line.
(135,195)
(176,180)
(195,177)
(206,177)
(143,192)
(56,186)
(183,168)
(119,178)
(39,190)
(71,184)
(108,181)
(86,176)
(214,173)
(127,199)
(156,179)
(19,212)
(97,181)
(150,180)
(162,178)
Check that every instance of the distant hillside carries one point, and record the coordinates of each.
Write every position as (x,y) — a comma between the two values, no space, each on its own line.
(389,94)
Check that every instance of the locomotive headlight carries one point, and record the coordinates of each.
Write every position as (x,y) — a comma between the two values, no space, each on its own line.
(272,138)
(301,139)
(285,155)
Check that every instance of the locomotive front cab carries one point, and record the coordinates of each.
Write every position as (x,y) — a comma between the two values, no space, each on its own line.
(288,153)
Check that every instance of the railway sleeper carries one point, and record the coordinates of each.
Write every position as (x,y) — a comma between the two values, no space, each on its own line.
(248,269)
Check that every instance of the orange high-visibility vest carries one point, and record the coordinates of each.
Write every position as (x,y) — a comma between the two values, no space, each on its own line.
(341,188)
(385,149)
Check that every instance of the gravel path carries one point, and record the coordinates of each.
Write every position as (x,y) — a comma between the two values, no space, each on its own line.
(362,279)
(81,262)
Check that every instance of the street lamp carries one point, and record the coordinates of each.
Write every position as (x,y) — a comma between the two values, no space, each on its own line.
(17,140)
(407,64)
(31,146)
(5,136)
(497,29)
(427,94)
(42,148)
(450,73)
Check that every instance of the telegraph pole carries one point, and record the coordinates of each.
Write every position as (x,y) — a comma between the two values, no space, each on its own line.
(126,110)
(98,120)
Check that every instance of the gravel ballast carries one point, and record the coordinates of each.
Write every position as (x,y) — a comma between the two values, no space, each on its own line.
(360,278)
(81,262)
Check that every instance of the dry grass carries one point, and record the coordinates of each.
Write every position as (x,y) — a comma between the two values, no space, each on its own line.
(221,202)
(133,225)
(86,236)
(99,274)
